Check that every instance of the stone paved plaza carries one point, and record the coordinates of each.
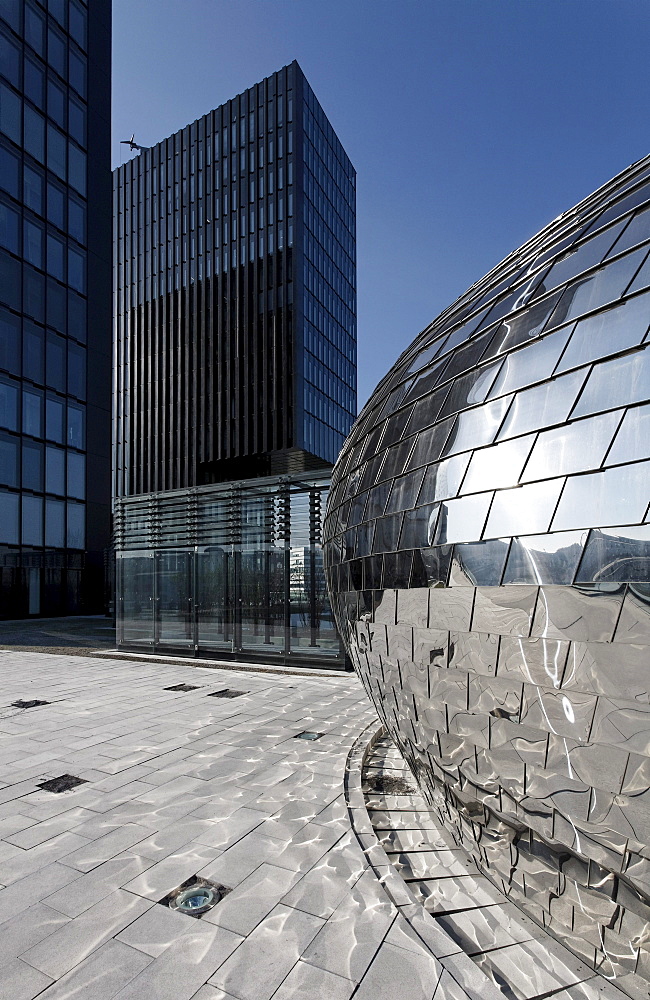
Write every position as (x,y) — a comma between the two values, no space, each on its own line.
(177,784)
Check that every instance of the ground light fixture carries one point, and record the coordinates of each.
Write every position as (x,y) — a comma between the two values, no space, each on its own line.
(196,899)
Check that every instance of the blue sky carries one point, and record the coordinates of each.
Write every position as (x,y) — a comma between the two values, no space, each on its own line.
(471,123)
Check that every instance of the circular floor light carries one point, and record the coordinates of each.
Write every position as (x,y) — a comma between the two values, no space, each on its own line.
(196,899)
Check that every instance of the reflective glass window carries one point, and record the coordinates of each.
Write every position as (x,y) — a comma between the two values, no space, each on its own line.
(606,285)
(522,328)
(9,171)
(10,280)
(56,103)
(32,465)
(574,447)
(616,555)
(442,481)
(637,231)
(33,190)
(530,364)
(56,257)
(33,294)
(415,527)
(56,50)
(77,269)
(56,205)
(632,441)
(55,470)
(498,466)
(9,59)
(405,492)
(34,28)
(9,451)
(33,351)
(56,147)
(77,168)
(9,397)
(622,207)
(469,389)
(76,535)
(616,496)
(55,368)
(77,121)
(525,510)
(77,26)
(76,426)
(9,508)
(429,444)
(33,243)
(544,559)
(620,382)
(549,403)
(76,475)
(34,82)
(77,220)
(34,134)
(56,298)
(10,113)
(609,332)
(588,254)
(32,520)
(55,419)
(32,412)
(9,228)
(55,523)
(460,520)
(76,317)
(9,342)
(476,427)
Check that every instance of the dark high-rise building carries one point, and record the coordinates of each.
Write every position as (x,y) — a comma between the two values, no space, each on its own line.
(235,333)
(55,305)
(235,295)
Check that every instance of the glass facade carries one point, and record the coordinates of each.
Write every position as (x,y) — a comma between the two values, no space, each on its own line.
(55,215)
(234,295)
(487,545)
(232,571)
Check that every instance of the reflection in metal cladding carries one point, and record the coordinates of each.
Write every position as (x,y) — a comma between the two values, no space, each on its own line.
(494,595)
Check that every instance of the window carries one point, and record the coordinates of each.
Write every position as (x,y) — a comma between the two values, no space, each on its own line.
(9,517)
(56,205)
(55,419)
(10,119)
(77,168)
(32,412)
(8,459)
(32,465)
(33,190)
(56,50)
(55,257)
(56,145)
(34,82)
(9,228)
(35,134)
(55,523)
(32,520)
(56,103)
(76,426)
(77,269)
(76,526)
(77,121)
(76,475)
(8,403)
(34,29)
(33,352)
(9,60)
(55,470)
(76,370)
(9,171)
(33,243)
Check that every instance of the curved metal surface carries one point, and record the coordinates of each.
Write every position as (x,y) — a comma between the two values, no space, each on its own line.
(487,546)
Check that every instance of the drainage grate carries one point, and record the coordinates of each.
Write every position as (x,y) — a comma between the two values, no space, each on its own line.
(61,784)
(195,896)
(389,785)
(28,704)
(183,687)
(308,736)
(226,693)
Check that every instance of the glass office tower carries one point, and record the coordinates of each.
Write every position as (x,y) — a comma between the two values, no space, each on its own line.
(235,340)
(55,326)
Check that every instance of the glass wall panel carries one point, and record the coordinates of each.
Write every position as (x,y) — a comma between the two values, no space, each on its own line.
(135,597)
(174,598)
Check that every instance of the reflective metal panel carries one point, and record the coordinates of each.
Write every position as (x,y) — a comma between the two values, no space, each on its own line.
(510,656)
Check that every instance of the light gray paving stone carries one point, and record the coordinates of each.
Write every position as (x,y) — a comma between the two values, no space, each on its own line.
(100,976)
(262,962)
(37,833)
(104,848)
(21,933)
(19,896)
(228,831)
(68,946)
(349,940)
(253,899)
(155,930)
(397,974)
(19,981)
(185,966)
(306,982)
(237,863)
(208,992)
(165,875)
(94,886)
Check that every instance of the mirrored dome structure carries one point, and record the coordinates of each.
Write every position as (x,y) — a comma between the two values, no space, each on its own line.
(487,545)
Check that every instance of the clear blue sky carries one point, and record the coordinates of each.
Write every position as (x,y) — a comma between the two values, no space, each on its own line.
(471,123)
